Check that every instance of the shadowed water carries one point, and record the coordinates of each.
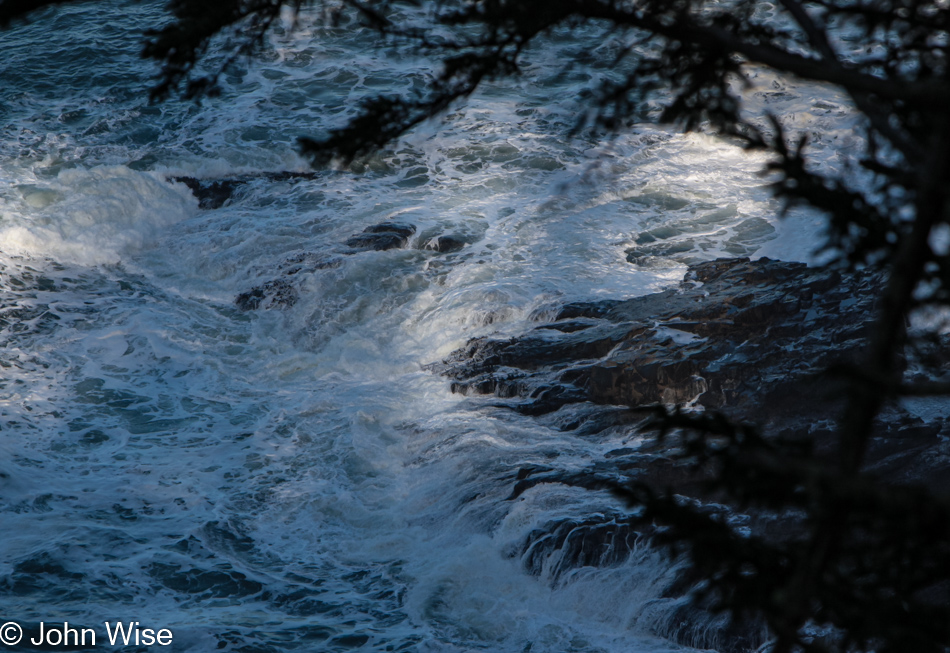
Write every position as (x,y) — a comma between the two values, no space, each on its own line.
(290,477)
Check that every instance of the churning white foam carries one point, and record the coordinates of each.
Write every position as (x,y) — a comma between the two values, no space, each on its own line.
(158,441)
(93,216)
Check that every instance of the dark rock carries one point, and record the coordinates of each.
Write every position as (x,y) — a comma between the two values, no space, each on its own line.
(608,540)
(287,175)
(377,242)
(400,228)
(702,628)
(210,194)
(644,253)
(383,236)
(585,309)
(445,244)
(599,541)
(751,339)
(273,294)
(733,333)
(214,193)
(748,338)
(570,326)
(308,262)
(281,292)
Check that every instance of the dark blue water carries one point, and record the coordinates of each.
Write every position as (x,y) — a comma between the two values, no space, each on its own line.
(291,478)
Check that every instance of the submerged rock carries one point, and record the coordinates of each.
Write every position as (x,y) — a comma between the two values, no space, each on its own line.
(308,262)
(382,236)
(215,193)
(559,546)
(282,292)
(273,294)
(445,244)
(211,194)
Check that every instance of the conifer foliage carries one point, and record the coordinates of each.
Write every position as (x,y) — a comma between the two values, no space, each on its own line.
(867,561)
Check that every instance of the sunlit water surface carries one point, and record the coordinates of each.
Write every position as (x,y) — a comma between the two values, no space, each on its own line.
(294,479)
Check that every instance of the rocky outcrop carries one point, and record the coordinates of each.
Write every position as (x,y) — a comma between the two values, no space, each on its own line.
(210,194)
(752,339)
(734,335)
(272,294)
(281,292)
(445,244)
(215,193)
(382,236)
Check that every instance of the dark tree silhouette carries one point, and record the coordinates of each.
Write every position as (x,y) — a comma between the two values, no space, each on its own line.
(868,560)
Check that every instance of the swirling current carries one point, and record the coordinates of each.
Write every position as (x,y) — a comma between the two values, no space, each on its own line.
(292,478)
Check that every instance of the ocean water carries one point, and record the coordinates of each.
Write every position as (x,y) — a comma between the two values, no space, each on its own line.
(292,478)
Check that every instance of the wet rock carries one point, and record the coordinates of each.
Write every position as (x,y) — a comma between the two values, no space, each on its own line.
(541,348)
(702,628)
(382,236)
(748,338)
(215,193)
(290,175)
(644,253)
(273,294)
(282,292)
(558,547)
(445,244)
(308,262)
(209,193)
(377,242)
(732,333)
